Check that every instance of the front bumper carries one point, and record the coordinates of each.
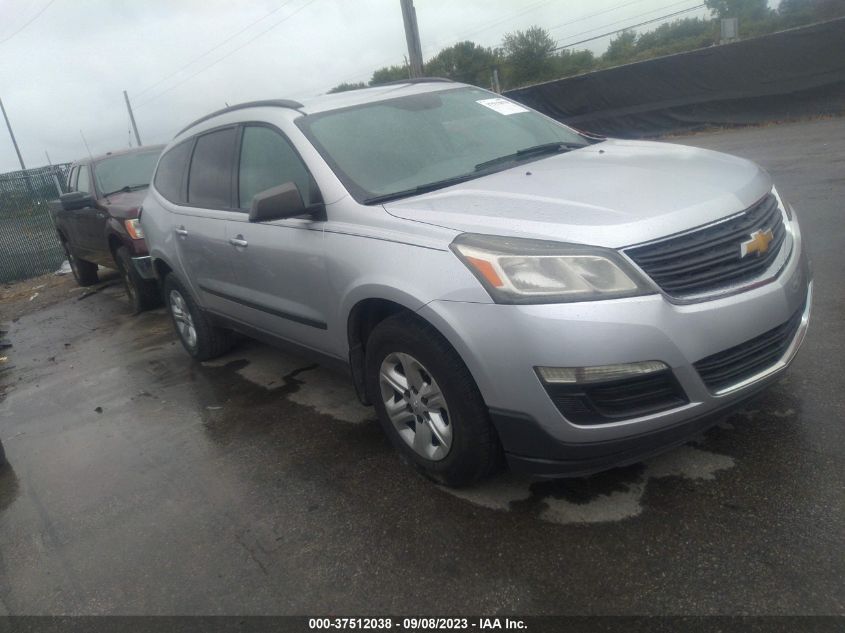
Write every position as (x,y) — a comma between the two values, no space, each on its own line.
(539,454)
(502,344)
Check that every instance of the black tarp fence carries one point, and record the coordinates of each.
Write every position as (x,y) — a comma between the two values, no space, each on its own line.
(792,74)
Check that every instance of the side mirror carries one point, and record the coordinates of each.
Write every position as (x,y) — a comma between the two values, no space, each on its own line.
(276,203)
(76,200)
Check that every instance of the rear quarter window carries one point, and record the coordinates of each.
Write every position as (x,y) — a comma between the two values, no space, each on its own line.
(171,172)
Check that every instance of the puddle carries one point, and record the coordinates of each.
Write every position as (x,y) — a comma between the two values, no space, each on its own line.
(322,390)
(603,498)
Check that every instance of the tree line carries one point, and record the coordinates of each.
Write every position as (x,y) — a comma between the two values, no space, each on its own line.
(533,56)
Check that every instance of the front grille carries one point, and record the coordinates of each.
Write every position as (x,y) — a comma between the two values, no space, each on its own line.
(619,399)
(742,361)
(710,258)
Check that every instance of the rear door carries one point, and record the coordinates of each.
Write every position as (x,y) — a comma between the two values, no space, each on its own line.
(199,223)
(280,266)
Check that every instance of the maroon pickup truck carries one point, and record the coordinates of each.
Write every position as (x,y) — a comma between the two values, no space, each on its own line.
(97,220)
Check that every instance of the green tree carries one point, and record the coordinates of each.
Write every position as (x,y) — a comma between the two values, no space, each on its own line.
(574,62)
(675,37)
(743,9)
(529,56)
(621,49)
(389,73)
(347,86)
(466,62)
(797,12)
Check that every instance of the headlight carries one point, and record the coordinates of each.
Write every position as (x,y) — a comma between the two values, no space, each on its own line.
(134,228)
(783,204)
(516,270)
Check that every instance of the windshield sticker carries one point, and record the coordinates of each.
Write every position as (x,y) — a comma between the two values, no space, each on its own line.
(502,106)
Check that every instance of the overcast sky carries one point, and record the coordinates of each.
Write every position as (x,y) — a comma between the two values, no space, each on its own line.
(67,68)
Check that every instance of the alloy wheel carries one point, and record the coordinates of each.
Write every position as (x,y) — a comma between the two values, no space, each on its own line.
(182,317)
(416,406)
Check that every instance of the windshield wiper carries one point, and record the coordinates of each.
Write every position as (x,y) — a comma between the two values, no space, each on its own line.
(530,152)
(431,186)
(480,168)
(125,189)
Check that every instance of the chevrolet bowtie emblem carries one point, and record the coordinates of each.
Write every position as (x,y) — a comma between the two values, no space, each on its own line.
(759,243)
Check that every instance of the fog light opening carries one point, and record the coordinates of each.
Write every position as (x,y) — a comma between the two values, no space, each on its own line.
(600,373)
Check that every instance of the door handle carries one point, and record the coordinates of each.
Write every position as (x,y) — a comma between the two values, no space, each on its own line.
(101,215)
(181,231)
(239,241)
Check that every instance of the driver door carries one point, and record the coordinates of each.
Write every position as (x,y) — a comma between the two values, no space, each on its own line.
(280,265)
(85,219)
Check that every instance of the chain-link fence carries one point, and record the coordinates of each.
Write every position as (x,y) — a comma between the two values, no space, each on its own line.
(29,245)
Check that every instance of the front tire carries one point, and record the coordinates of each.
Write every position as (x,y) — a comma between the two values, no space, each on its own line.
(142,293)
(199,336)
(428,403)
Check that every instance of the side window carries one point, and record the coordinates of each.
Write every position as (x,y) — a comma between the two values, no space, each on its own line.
(83,183)
(268,160)
(210,176)
(71,179)
(171,171)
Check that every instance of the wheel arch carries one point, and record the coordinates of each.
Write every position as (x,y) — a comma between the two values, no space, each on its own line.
(114,243)
(161,268)
(365,314)
(361,320)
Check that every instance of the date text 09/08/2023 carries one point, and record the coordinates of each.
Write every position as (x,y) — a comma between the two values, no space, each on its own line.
(415,624)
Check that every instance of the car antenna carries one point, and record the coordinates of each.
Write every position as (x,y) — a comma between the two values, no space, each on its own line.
(86,145)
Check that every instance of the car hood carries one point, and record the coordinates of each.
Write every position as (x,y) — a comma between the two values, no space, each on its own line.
(614,193)
(124,205)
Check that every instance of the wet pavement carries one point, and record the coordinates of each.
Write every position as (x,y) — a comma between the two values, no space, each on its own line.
(142,482)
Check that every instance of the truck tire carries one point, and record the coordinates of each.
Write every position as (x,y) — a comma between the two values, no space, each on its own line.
(428,403)
(143,293)
(199,336)
(84,272)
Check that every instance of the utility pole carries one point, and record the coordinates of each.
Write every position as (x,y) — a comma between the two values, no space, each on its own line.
(132,118)
(53,174)
(12,134)
(412,36)
(90,155)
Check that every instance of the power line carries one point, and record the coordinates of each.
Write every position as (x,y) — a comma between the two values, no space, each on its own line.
(633,17)
(440,46)
(490,25)
(220,59)
(211,50)
(593,15)
(30,21)
(611,9)
(632,26)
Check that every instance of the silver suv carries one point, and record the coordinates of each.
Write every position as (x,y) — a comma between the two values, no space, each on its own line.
(496,284)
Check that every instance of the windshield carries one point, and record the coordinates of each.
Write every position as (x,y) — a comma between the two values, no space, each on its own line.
(397,146)
(129,170)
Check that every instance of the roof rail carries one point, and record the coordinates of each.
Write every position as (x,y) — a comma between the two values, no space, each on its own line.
(416,80)
(277,103)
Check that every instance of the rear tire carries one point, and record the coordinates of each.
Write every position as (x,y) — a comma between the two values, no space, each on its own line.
(143,293)
(84,272)
(199,336)
(428,402)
